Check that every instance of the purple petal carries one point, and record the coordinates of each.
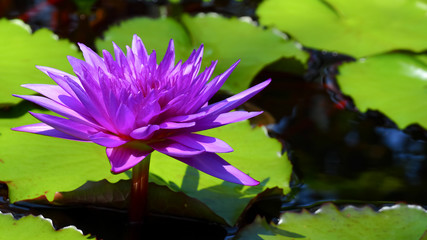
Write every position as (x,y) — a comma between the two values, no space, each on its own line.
(125,120)
(152,62)
(167,64)
(107,140)
(214,165)
(57,94)
(131,59)
(201,142)
(66,126)
(147,113)
(174,149)
(222,119)
(49,91)
(122,158)
(61,78)
(57,108)
(49,70)
(191,67)
(214,85)
(174,125)
(187,118)
(79,66)
(224,105)
(236,100)
(112,66)
(91,57)
(122,61)
(139,50)
(92,108)
(145,132)
(46,130)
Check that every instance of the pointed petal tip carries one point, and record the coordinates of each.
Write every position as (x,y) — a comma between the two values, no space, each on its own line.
(252,182)
(22,96)
(114,44)
(136,37)
(264,84)
(39,67)
(268,81)
(85,49)
(16,128)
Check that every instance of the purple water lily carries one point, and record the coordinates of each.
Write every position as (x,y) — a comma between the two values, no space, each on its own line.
(134,106)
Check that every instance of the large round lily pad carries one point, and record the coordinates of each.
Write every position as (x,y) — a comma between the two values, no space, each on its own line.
(21,51)
(357,28)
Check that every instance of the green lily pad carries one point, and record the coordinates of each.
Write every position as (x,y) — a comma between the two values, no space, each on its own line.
(254,153)
(34,165)
(397,222)
(30,227)
(255,46)
(358,28)
(21,51)
(394,84)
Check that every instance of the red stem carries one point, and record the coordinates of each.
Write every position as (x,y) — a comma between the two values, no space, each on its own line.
(139,191)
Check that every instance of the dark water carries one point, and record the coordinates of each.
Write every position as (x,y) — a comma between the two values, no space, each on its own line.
(339,154)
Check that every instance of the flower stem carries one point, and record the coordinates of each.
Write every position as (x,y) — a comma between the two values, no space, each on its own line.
(139,191)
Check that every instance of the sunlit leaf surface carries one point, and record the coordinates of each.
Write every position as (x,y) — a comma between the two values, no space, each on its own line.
(357,28)
(395,84)
(21,51)
(32,227)
(398,222)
